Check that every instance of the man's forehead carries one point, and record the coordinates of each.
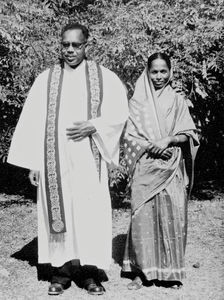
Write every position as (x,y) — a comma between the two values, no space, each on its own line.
(74,35)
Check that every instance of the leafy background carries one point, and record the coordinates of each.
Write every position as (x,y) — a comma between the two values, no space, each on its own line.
(123,34)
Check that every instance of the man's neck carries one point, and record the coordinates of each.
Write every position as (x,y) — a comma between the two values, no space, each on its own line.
(73,67)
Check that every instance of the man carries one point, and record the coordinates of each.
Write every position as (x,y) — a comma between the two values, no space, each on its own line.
(67,133)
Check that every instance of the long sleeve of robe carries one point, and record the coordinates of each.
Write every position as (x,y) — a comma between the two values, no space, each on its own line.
(87,202)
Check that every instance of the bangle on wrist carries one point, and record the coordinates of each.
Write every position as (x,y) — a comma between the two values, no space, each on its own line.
(176,139)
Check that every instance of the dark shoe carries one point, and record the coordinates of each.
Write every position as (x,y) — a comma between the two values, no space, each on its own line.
(136,284)
(93,288)
(55,289)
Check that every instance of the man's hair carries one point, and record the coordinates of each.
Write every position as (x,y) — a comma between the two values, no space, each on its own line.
(71,26)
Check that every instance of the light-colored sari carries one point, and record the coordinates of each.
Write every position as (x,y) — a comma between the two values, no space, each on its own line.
(159,188)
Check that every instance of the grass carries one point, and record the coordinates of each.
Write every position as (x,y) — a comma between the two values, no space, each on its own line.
(21,278)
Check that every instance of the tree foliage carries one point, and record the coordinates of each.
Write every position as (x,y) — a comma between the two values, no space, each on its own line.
(123,34)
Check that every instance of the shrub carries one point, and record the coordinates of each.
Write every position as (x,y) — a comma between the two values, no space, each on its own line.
(123,34)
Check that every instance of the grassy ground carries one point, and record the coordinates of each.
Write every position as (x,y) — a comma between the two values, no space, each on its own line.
(18,256)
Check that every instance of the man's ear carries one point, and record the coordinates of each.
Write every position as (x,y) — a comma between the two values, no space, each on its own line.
(87,51)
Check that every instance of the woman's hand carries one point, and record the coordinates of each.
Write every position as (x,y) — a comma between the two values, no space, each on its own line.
(167,154)
(163,144)
(159,149)
(34,177)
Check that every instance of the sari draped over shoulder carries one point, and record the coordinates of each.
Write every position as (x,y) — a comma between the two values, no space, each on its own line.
(159,188)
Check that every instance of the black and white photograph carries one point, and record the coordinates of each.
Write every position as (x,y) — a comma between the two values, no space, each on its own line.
(112,149)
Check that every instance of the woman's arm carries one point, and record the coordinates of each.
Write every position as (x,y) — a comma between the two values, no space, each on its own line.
(160,148)
(178,139)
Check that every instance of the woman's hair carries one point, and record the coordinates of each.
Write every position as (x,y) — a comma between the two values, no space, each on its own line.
(161,56)
(72,26)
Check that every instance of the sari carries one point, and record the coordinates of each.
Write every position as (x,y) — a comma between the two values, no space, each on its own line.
(156,239)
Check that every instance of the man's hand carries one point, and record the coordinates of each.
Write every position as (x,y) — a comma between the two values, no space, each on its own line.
(80,130)
(34,177)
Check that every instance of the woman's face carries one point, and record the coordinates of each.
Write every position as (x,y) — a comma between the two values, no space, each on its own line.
(159,73)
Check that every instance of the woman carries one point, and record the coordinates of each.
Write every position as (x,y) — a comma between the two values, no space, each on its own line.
(160,145)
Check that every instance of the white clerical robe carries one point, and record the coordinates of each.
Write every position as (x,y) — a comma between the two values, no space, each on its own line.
(87,203)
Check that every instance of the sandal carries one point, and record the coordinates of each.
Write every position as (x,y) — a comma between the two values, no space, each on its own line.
(136,284)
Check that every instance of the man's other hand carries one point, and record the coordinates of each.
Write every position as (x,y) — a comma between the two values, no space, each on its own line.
(80,130)
(34,177)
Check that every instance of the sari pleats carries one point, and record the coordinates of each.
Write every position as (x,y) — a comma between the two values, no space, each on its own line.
(157,235)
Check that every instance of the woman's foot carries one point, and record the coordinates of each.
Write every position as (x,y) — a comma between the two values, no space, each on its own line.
(176,285)
(136,284)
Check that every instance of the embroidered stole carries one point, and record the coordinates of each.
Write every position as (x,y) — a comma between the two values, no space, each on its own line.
(54,193)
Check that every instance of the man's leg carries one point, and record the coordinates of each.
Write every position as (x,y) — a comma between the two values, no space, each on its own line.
(91,281)
(61,279)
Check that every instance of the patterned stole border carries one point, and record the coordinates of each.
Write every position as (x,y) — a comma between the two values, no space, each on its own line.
(94,82)
(54,196)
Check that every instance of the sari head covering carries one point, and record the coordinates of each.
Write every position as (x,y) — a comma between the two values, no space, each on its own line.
(154,116)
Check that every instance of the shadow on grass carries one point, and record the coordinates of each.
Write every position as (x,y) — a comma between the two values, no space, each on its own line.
(119,243)
(14,181)
(118,247)
(29,253)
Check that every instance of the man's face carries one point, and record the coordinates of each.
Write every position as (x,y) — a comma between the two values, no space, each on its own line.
(73,47)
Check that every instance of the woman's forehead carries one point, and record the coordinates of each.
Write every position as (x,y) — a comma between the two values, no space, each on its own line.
(158,63)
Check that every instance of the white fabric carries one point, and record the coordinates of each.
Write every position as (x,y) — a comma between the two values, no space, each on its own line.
(86,200)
